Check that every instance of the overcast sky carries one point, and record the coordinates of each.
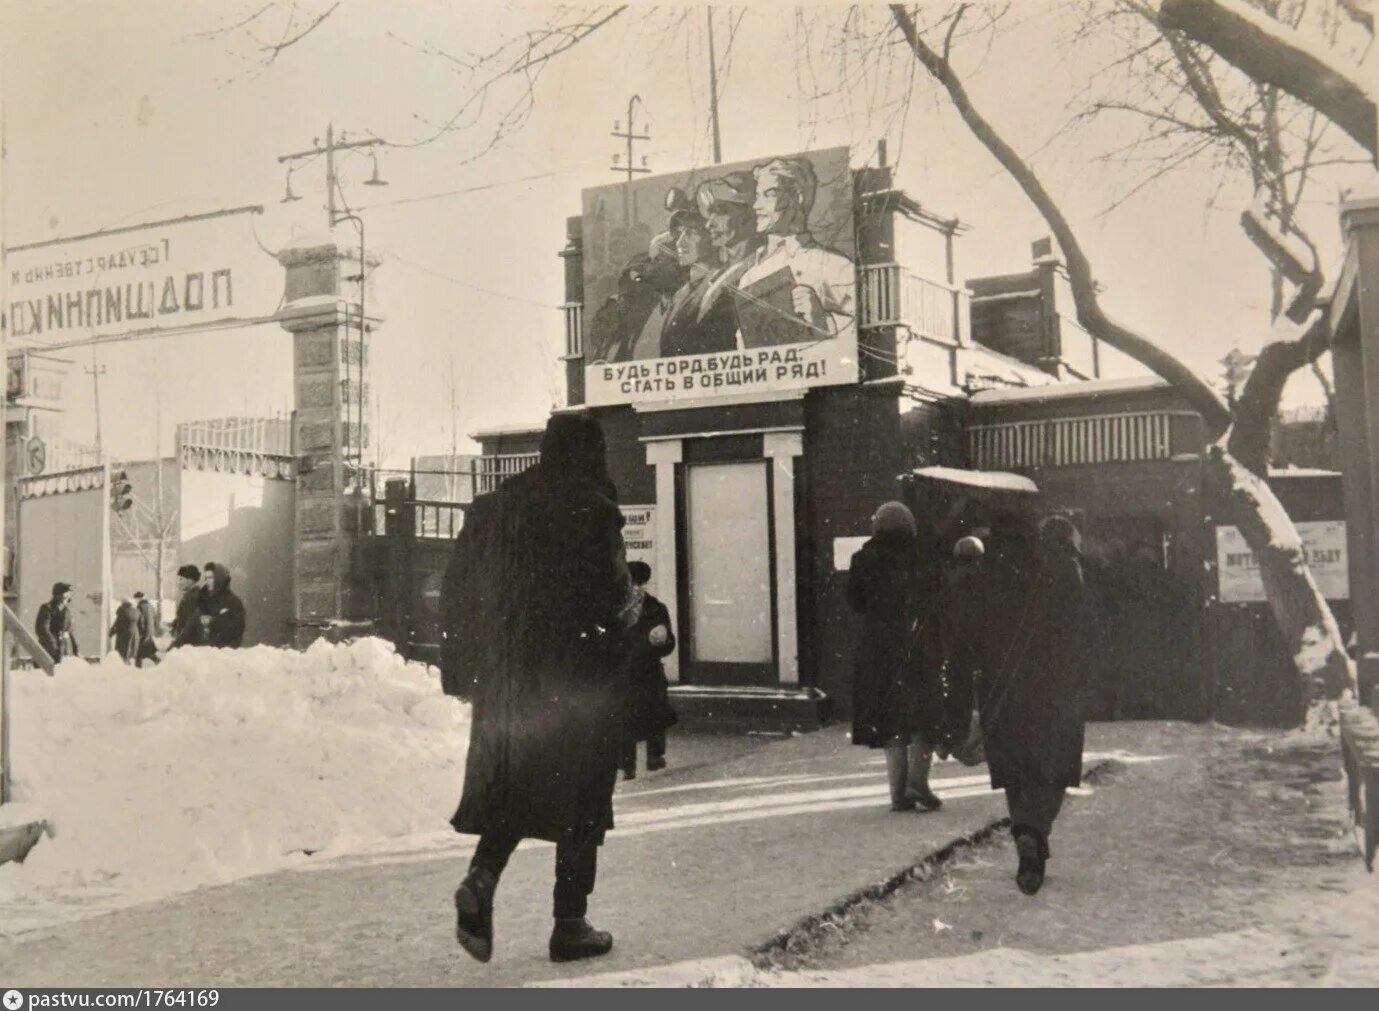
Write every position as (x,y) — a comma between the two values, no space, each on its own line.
(121,113)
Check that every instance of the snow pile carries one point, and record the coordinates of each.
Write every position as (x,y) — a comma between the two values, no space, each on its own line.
(220,763)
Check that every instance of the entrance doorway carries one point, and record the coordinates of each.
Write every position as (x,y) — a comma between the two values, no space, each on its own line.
(729,593)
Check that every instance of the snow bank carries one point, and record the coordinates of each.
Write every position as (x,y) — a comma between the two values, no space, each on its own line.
(220,763)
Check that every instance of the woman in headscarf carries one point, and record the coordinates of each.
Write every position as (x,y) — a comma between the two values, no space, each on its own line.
(894,705)
(1031,689)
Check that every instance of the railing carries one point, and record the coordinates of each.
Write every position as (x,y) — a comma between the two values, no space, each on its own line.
(64,455)
(574,329)
(1360,757)
(893,296)
(1065,442)
(438,519)
(270,436)
(260,447)
(435,516)
(491,471)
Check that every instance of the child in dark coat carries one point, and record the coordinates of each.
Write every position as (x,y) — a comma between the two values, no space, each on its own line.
(646,644)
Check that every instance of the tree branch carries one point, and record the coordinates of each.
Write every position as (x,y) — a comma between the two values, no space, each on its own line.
(1273,53)
(1193,387)
(1299,345)
(953,27)
(274,51)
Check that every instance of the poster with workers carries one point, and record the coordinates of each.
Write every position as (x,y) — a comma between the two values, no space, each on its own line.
(726,280)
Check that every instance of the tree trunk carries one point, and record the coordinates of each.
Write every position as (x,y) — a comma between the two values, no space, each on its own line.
(1299,607)
(1302,613)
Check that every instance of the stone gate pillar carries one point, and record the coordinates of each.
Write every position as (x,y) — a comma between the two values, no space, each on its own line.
(321,309)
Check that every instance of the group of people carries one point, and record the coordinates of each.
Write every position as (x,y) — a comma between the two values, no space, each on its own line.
(1001,628)
(135,630)
(737,267)
(208,613)
(550,633)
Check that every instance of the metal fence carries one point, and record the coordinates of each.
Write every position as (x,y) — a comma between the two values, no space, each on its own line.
(439,491)
(268,436)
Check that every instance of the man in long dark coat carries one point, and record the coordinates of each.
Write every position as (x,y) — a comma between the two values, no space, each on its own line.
(537,596)
(1032,693)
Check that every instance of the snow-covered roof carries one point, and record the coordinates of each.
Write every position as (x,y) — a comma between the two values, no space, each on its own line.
(493,433)
(990,480)
(1302,472)
(1058,391)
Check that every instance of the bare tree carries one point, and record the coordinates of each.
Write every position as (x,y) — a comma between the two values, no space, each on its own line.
(1236,464)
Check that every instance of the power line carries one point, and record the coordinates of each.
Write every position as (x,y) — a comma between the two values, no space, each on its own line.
(467,284)
(466,189)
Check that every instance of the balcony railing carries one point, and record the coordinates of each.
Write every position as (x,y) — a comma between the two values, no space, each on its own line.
(574,329)
(893,296)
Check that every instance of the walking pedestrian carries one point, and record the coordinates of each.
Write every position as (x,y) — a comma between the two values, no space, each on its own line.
(53,624)
(961,637)
(646,644)
(186,622)
(124,630)
(894,702)
(1030,693)
(150,627)
(537,597)
(222,611)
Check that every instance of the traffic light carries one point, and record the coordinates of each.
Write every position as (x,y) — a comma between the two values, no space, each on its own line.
(121,491)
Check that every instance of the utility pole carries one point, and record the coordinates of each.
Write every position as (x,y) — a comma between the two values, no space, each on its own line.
(95,372)
(713,92)
(332,180)
(632,168)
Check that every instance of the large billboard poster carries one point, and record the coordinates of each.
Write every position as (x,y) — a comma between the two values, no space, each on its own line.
(727,280)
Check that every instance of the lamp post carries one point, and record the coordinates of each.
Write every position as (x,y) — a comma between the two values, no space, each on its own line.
(632,169)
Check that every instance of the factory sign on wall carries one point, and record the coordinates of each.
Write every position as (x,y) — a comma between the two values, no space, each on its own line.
(163,275)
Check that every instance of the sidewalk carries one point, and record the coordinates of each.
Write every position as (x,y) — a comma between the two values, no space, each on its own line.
(1230,863)
(739,839)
